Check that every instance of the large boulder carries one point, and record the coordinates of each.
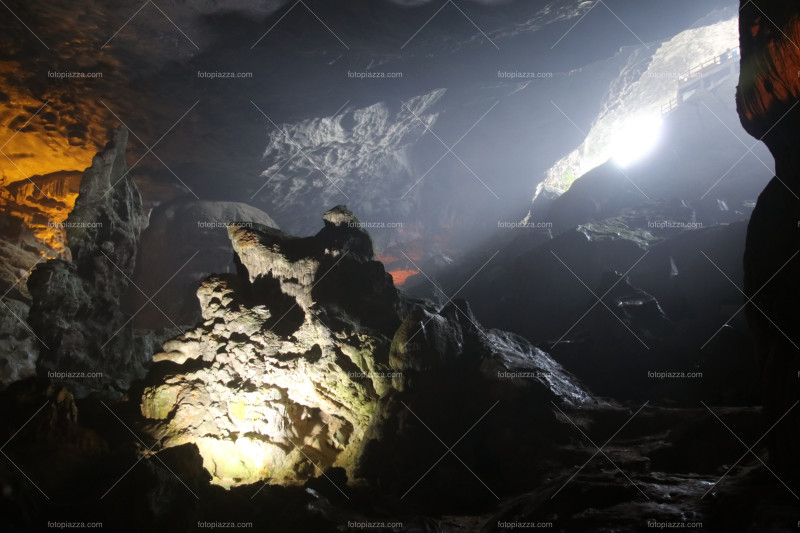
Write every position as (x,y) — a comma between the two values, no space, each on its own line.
(273,384)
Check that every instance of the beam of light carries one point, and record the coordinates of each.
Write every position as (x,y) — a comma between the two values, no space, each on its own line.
(636,139)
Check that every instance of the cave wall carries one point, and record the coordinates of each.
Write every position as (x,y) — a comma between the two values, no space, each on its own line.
(767,101)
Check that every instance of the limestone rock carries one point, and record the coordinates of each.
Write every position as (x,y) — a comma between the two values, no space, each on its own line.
(186,238)
(305,358)
(680,289)
(18,348)
(272,384)
(767,98)
(77,309)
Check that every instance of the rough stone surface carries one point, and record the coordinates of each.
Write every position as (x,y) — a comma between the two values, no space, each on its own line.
(673,311)
(306,357)
(186,240)
(18,348)
(768,96)
(77,310)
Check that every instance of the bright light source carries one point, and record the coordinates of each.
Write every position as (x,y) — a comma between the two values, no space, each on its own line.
(637,138)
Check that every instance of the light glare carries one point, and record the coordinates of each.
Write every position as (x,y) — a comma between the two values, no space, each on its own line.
(636,140)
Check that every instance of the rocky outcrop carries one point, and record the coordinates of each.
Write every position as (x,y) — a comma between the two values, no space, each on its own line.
(682,284)
(32,212)
(767,98)
(18,348)
(187,237)
(78,311)
(308,359)
(42,204)
(274,383)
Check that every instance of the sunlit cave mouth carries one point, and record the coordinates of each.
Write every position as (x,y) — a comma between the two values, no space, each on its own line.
(636,139)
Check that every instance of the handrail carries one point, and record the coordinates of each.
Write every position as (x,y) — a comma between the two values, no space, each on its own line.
(669,106)
(697,72)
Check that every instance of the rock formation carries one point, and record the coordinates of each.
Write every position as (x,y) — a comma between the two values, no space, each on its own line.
(32,212)
(767,99)
(187,237)
(42,204)
(673,299)
(308,359)
(77,309)
(18,348)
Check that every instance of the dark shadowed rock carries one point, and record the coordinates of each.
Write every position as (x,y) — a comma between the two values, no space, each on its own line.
(767,98)
(675,310)
(77,308)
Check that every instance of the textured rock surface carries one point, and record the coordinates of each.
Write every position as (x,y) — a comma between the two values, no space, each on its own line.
(79,452)
(77,309)
(768,96)
(32,213)
(681,285)
(270,383)
(306,359)
(185,241)
(18,348)
(42,203)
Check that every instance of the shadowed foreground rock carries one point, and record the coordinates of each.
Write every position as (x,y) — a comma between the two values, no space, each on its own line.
(768,97)
(77,308)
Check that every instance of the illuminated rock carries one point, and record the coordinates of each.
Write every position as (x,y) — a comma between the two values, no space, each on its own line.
(649,80)
(271,383)
(43,204)
(302,362)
